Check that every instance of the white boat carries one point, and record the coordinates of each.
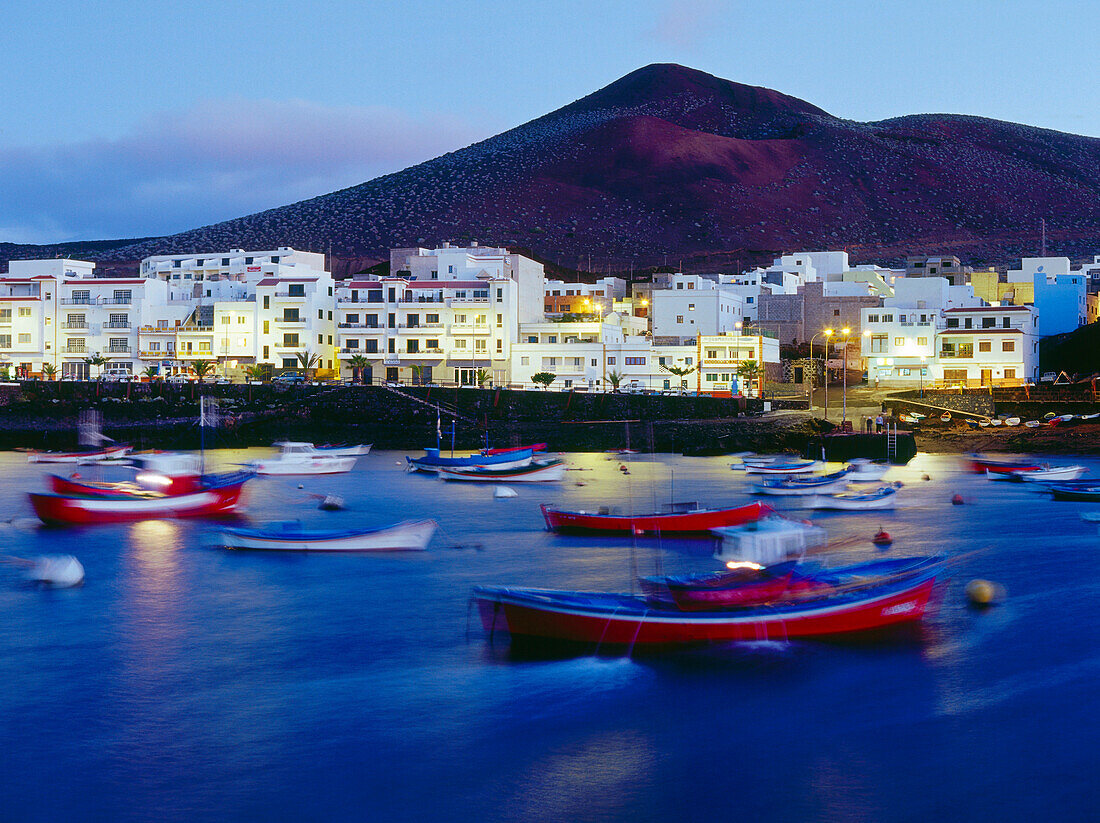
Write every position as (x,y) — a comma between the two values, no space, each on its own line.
(765,459)
(1050,474)
(111,453)
(326,451)
(996,421)
(1012,421)
(881,498)
(1091,517)
(412,535)
(549,472)
(802,486)
(1033,424)
(984,423)
(863,468)
(766,541)
(301,458)
(782,469)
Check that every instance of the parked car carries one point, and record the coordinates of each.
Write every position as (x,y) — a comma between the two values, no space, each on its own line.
(117,375)
(290,378)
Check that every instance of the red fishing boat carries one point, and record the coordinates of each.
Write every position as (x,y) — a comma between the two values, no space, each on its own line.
(594,618)
(161,472)
(981,465)
(684,518)
(216,497)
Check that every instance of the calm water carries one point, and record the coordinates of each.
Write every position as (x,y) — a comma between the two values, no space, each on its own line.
(183,682)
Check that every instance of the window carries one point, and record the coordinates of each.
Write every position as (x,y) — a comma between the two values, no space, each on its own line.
(836,312)
(879,344)
(459,344)
(118,321)
(320,314)
(224,319)
(267,301)
(500,321)
(611,361)
(887,318)
(432,343)
(1008,345)
(479,344)
(922,341)
(905,372)
(1010,374)
(679,318)
(122,296)
(872,318)
(267,353)
(595,362)
(525,361)
(1006,322)
(954,374)
(413,346)
(431,318)
(952,322)
(532,338)
(391,345)
(351,343)
(267,327)
(500,346)
(320,340)
(24,312)
(370,346)
(154,345)
(989,322)
(289,363)
(899,341)
(713,378)
(634,361)
(691,307)
(968,322)
(290,341)
(24,338)
(712,354)
(296,290)
(985,346)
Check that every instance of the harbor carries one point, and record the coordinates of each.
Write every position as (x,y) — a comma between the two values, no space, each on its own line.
(200,683)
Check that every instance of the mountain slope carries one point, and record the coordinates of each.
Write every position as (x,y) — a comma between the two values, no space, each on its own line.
(671,162)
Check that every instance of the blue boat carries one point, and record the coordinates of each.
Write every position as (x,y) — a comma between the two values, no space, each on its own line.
(433,461)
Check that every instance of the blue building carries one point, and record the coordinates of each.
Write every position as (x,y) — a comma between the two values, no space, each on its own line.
(1059,302)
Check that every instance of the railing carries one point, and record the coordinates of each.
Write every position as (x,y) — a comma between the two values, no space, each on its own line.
(157,330)
(965,354)
(78,301)
(290,321)
(118,350)
(5,320)
(405,300)
(68,350)
(73,326)
(116,301)
(116,325)
(470,299)
(285,295)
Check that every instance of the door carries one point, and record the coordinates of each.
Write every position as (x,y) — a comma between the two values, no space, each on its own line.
(987,377)
(391,374)
(466,377)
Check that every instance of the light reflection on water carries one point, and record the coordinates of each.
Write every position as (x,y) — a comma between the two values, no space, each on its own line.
(184,682)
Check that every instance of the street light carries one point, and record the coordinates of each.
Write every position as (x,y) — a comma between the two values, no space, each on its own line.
(828,337)
(827,333)
(844,418)
(923,360)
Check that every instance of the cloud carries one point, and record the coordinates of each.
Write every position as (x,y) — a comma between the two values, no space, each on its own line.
(218,160)
(684,24)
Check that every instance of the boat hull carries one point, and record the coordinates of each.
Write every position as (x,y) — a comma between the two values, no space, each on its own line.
(780,469)
(800,490)
(433,461)
(691,522)
(408,536)
(115,453)
(840,502)
(610,620)
(305,465)
(1088,494)
(525,474)
(78,510)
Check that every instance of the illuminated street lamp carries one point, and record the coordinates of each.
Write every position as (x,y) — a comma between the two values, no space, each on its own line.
(847,335)
(827,333)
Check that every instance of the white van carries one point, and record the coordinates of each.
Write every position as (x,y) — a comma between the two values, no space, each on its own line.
(117,373)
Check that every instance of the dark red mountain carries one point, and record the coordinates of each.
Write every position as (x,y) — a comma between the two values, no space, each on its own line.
(670,164)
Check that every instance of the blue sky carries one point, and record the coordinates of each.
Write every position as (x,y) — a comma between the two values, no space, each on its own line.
(123,119)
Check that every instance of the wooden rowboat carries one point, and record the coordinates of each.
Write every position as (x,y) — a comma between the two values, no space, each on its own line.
(413,535)
(548,472)
(683,518)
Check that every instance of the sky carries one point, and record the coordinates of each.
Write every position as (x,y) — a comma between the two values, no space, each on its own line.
(129,119)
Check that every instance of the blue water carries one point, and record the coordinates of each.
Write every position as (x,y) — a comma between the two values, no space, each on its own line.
(187,683)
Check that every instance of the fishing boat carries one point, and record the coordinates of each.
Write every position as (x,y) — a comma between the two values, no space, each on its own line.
(534,447)
(1090,418)
(766,459)
(161,472)
(1089,492)
(411,535)
(980,465)
(433,460)
(946,418)
(1033,424)
(783,468)
(1054,473)
(750,584)
(984,423)
(799,486)
(864,468)
(884,497)
(596,618)
(996,422)
(80,456)
(676,518)
(1061,420)
(337,450)
(1012,421)
(303,458)
(972,424)
(215,498)
(771,539)
(550,471)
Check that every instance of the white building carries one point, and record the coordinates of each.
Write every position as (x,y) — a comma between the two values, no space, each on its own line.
(693,305)
(987,346)
(228,275)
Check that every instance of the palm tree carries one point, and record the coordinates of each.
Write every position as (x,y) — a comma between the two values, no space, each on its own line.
(681,372)
(614,378)
(99,361)
(483,377)
(748,371)
(49,370)
(357,363)
(152,372)
(202,368)
(418,374)
(310,361)
(256,372)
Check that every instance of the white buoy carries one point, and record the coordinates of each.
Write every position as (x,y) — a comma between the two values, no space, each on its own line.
(503,492)
(331,503)
(57,570)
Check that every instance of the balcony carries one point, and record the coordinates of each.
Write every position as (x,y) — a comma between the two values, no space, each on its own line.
(118,350)
(957,354)
(470,300)
(358,326)
(283,295)
(407,300)
(78,301)
(116,301)
(5,320)
(290,321)
(194,355)
(470,328)
(80,351)
(73,326)
(116,325)
(156,330)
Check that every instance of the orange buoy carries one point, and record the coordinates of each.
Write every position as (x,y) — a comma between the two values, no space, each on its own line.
(957,500)
(882,539)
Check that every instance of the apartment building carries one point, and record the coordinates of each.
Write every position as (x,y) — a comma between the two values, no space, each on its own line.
(228,275)
(693,305)
(987,346)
